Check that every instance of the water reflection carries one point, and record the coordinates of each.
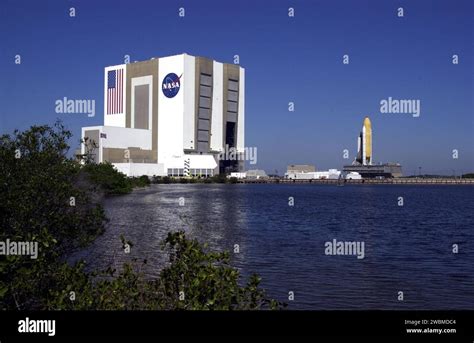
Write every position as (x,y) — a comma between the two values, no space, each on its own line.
(406,248)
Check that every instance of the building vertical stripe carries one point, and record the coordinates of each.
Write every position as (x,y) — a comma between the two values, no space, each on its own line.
(118,93)
(121,91)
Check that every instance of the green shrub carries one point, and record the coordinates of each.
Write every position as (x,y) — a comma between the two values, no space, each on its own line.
(109,179)
(43,198)
(221,178)
(142,181)
(196,279)
(206,280)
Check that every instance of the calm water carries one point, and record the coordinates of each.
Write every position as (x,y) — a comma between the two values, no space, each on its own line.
(407,248)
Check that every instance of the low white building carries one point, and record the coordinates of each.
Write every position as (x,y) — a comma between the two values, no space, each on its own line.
(255,174)
(316,175)
(353,176)
(237,175)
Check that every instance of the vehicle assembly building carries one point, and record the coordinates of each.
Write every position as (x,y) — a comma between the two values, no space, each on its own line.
(363,163)
(170,116)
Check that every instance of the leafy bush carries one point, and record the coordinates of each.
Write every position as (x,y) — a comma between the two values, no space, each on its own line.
(163,179)
(109,179)
(206,280)
(220,178)
(40,201)
(196,279)
(142,181)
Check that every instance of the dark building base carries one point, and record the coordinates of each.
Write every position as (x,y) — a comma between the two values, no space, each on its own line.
(387,170)
(230,166)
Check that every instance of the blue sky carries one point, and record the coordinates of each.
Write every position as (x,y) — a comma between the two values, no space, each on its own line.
(286,59)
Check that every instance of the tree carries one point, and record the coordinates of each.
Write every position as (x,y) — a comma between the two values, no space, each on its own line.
(90,148)
(40,202)
(107,178)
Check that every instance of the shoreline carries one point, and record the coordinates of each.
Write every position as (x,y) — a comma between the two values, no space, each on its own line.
(401,181)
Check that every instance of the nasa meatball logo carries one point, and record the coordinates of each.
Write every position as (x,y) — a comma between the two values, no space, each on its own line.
(171,85)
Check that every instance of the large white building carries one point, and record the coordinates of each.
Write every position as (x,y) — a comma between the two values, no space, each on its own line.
(171,116)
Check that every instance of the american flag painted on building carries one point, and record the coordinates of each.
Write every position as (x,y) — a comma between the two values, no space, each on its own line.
(115,91)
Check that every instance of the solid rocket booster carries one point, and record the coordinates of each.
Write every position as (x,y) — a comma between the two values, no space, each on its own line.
(367,141)
(364,144)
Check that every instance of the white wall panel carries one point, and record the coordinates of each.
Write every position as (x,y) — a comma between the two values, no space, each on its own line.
(139,169)
(217,135)
(241,116)
(123,138)
(171,110)
(189,101)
